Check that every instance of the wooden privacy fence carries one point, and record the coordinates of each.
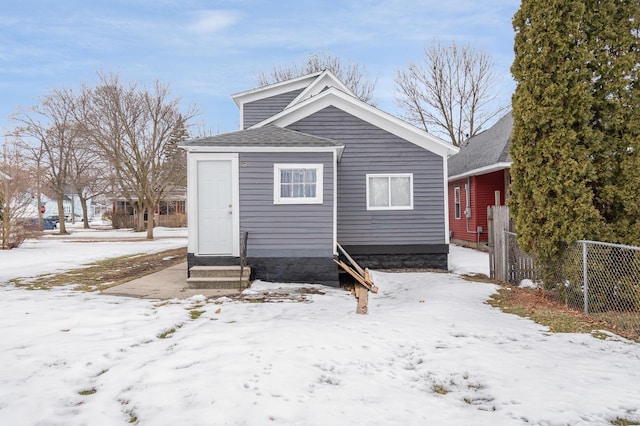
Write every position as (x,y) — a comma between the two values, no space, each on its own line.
(498,221)
(176,220)
(123,221)
(507,261)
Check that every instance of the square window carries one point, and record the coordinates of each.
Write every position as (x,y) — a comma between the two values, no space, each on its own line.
(297,183)
(390,192)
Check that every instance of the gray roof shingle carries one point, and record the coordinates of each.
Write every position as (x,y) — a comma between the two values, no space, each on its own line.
(267,136)
(485,149)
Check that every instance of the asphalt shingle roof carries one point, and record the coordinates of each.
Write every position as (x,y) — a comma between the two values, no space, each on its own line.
(485,149)
(267,136)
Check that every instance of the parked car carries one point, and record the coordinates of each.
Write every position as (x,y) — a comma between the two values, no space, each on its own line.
(32,224)
(53,218)
(48,224)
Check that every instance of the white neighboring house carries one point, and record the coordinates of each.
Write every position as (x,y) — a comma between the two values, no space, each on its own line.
(51,207)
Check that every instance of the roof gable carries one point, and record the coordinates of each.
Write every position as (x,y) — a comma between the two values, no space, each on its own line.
(273,89)
(322,82)
(350,104)
(484,153)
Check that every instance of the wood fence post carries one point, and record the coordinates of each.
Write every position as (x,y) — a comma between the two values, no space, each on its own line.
(491,243)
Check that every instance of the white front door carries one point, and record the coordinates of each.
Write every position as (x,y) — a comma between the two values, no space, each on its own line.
(215,208)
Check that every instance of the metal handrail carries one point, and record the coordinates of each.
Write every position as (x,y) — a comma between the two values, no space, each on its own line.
(243,255)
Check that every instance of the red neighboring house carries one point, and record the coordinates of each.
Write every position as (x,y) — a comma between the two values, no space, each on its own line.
(479,177)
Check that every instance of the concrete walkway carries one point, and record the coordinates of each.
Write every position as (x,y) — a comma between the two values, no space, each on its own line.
(169,283)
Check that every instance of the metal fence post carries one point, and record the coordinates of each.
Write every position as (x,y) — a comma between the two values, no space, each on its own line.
(585,280)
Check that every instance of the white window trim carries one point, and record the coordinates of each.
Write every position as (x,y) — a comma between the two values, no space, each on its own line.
(277,199)
(391,175)
(457,213)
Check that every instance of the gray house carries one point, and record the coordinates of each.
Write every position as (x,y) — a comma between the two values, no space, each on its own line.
(314,166)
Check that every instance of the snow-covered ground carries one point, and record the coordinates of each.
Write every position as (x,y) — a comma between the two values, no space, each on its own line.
(53,252)
(430,352)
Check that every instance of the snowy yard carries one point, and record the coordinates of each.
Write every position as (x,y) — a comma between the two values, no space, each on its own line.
(430,352)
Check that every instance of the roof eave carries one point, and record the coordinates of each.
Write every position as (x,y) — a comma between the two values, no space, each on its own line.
(481,171)
(273,89)
(354,106)
(231,148)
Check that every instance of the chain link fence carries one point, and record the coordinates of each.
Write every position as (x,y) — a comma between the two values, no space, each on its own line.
(601,280)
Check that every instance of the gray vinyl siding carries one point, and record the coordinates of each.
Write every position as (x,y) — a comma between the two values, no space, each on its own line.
(369,149)
(284,230)
(256,111)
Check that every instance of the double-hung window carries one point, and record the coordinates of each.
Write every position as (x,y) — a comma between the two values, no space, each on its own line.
(390,191)
(456,201)
(297,184)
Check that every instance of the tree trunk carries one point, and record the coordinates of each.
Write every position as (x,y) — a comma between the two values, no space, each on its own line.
(150,213)
(150,227)
(6,225)
(140,213)
(73,208)
(85,215)
(61,224)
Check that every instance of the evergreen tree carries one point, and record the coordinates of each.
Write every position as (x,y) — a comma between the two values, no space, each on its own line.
(575,138)
(612,35)
(551,201)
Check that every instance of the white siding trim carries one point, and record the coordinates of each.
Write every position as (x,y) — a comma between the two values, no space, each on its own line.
(234,149)
(335,203)
(192,198)
(275,89)
(364,111)
(445,172)
(482,170)
(326,79)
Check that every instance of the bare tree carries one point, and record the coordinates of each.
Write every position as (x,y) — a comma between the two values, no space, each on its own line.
(450,92)
(201,130)
(35,154)
(132,127)
(353,75)
(50,126)
(88,175)
(16,195)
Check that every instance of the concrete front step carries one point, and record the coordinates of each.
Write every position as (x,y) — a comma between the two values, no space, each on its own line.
(216,282)
(219,271)
(218,277)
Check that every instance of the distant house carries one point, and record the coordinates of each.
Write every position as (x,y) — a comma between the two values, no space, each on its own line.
(171,212)
(479,177)
(71,205)
(314,166)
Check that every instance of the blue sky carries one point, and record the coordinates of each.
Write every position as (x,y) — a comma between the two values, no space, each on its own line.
(207,50)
